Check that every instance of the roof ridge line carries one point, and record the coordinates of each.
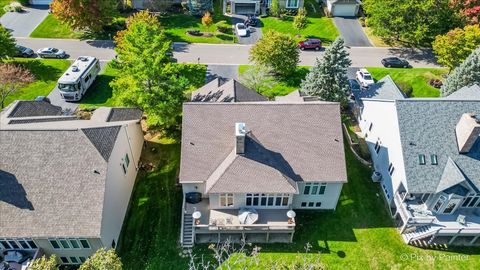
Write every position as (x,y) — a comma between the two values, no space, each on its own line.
(220,170)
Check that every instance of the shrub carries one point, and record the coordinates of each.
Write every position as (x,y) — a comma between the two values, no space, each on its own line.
(275,8)
(362,21)
(117,24)
(207,19)
(300,20)
(406,88)
(223,27)
(13,7)
(194,32)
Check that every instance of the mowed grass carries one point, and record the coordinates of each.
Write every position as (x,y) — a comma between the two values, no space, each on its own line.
(46,74)
(418,78)
(319,25)
(279,86)
(359,234)
(51,27)
(176,26)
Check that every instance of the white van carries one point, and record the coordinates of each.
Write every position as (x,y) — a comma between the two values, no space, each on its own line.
(78,78)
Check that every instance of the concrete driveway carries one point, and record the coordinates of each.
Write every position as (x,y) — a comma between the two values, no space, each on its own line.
(352,32)
(254,33)
(21,24)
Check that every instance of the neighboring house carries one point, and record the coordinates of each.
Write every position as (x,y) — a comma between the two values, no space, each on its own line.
(65,183)
(250,7)
(343,8)
(221,90)
(267,155)
(426,154)
(40,2)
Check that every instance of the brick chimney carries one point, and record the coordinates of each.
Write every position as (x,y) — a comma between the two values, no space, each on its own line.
(240,132)
(468,132)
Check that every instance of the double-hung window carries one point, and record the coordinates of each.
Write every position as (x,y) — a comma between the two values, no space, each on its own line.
(226,199)
(314,188)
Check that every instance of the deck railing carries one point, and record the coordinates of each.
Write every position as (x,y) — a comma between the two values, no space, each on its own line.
(184,211)
(242,227)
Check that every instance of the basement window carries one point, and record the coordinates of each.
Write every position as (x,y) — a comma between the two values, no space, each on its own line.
(434,159)
(421,159)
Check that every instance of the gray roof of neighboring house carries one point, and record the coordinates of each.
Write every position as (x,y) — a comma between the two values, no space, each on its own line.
(466,93)
(42,120)
(48,184)
(384,89)
(103,138)
(29,108)
(427,126)
(345,1)
(287,142)
(296,96)
(124,114)
(220,90)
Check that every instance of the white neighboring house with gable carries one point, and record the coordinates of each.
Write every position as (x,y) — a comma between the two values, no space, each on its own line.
(427,151)
(65,183)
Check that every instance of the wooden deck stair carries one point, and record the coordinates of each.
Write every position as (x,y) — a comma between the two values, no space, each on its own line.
(420,233)
(187,241)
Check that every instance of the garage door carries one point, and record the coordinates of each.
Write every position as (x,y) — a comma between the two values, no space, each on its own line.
(40,2)
(245,9)
(348,10)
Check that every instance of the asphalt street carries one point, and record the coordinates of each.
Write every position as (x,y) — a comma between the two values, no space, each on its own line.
(221,54)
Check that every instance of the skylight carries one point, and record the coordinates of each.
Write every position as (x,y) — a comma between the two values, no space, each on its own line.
(434,160)
(421,159)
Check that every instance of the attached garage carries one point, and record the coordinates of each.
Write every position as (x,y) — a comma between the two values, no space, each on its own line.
(343,8)
(245,7)
(40,2)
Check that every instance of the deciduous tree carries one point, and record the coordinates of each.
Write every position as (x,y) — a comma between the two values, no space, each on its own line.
(102,260)
(466,74)
(149,79)
(207,19)
(44,263)
(455,46)
(328,77)
(300,20)
(257,78)
(85,14)
(418,22)
(468,9)
(12,78)
(7,44)
(276,51)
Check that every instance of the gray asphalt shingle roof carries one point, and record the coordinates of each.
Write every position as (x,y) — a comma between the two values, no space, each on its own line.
(466,93)
(28,108)
(124,114)
(103,138)
(427,126)
(297,141)
(220,90)
(48,187)
(296,96)
(384,89)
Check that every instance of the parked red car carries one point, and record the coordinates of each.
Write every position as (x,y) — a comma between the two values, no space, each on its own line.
(311,43)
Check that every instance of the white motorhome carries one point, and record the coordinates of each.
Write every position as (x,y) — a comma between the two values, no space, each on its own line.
(78,78)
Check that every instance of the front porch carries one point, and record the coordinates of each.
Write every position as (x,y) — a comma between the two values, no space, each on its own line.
(416,222)
(217,225)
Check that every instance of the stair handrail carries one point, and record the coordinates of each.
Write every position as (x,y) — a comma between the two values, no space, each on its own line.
(183,219)
(421,236)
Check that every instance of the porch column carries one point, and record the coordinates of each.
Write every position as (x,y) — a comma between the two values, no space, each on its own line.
(404,226)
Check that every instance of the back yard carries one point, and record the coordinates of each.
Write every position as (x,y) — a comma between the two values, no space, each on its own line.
(358,235)
(318,26)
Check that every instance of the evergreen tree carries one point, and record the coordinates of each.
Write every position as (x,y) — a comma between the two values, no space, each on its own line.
(7,44)
(199,7)
(467,74)
(328,77)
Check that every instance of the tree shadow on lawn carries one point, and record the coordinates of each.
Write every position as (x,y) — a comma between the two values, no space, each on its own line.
(100,92)
(41,71)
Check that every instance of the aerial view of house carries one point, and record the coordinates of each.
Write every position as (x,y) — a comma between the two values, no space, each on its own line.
(65,183)
(246,166)
(239,134)
(426,155)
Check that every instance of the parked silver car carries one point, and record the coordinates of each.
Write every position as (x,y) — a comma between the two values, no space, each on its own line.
(51,53)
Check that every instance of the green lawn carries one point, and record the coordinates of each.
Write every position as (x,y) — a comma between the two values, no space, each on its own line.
(46,74)
(358,235)
(319,26)
(280,87)
(416,77)
(51,27)
(101,94)
(176,26)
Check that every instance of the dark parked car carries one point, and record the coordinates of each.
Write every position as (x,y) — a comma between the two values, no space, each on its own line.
(311,43)
(193,197)
(395,62)
(42,98)
(251,21)
(24,51)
